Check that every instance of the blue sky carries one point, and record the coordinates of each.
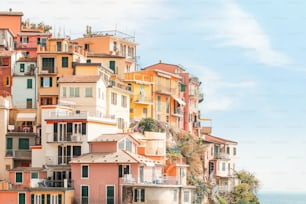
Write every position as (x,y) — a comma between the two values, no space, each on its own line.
(249,55)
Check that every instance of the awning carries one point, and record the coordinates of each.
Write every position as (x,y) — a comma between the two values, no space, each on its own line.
(180,101)
(26,117)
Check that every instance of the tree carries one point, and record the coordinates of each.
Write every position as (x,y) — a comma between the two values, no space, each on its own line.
(149,124)
(245,192)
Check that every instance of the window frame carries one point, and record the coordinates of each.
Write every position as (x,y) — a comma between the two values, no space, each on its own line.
(65,64)
(83,176)
(19,173)
(81,193)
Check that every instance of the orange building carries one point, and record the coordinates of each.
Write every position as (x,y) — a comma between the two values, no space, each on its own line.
(11,20)
(114,49)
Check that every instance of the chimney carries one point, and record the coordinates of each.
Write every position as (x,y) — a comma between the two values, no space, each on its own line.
(160,61)
(10,9)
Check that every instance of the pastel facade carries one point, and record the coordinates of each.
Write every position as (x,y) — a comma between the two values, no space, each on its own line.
(11,20)
(114,49)
(24,89)
(53,61)
(141,102)
(128,177)
(27,185)
(189,92)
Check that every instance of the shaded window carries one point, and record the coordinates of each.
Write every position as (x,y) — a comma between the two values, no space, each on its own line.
(65,62)
(88,92)
(29,83)
(21,67)
(18,177)
(23,144)
(110,193)
(112,66)
(85,171)
(84,195)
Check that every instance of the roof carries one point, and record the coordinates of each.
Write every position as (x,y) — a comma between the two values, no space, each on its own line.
(5,53)
(103,55)
(112,137)
(27,169)
(10,13)
(120,156)
(162,65)
(27,59)
(33,33)
(78,79)
(214,139)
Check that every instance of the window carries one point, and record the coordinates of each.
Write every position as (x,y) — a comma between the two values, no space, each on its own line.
(58,46)
(175,195)
(29,103)
(77,151)
(24,39)
(186,196)
(34,175)
(41,41)
(46,101)
(18,177)
(74,91)
(6,80)
(21,198)
(45,82)
(85,171)
(88,61)
(158,103)
(65,62)
(87,47)
(64,92)
(123,101)
(228,150)
(120,123)
(234,150)
(223,166)
(48,64)
(23,144)
(167,105)
(21,67)
(110,192)
(112,66)
(88,92)
(84,195)
(114,98)
(139,195)
(29,83)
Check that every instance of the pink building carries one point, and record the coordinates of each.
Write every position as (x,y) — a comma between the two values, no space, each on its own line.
(114,173)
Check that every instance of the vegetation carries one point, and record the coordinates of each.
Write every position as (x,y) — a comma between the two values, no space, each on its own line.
(245,192)
(221,200)
(41,25)
(149,124)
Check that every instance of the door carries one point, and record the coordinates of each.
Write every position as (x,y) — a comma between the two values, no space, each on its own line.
(110,192)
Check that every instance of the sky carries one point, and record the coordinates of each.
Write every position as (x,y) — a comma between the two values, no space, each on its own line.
(249,55)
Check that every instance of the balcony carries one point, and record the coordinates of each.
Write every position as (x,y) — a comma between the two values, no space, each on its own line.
(142,99)
(163,180)
(221,155)
(46,183)
(196,124)
(56,160)
(121,86)
(163,90)
(178,112)
(47,70)
(29,45)
(138,77)
(18,154)
(68,137)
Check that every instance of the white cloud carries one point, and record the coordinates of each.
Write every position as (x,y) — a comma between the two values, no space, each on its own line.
(235,27)
(219,94)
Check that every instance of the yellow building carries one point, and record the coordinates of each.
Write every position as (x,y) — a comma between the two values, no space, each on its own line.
(114,49)
(53,61)
(141,103)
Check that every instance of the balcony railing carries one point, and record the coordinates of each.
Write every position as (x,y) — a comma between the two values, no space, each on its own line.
(221,155)
(66,137)
(65,183)
(178,111)
(18,154)
(142,99)
(29,45)
(137,77)
(59,160)
(164,180)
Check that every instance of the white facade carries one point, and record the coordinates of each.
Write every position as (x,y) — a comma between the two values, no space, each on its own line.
(24,89)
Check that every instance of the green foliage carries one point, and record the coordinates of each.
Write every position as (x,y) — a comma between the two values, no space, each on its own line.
(221,200)
(244,193)
(151,125)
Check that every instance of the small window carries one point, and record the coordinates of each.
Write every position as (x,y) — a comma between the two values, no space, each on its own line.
(64,62)
(34,175)
(223,166)
(139,195)
(228,150)
(88,61)
(74,91)
(21,66)
(234,150)
(29,83)
(124,101)
(21,198)
(88,92)
(85,171)
(23,144)
(112,66)
(64,92)
(18,177)
(29,103)
(114,98)
(59,46)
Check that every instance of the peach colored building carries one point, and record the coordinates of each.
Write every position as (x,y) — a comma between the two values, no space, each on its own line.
(114,49)
(29,185)
(189,92)
(11,20)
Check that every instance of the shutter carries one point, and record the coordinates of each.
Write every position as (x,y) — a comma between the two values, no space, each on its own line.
(60,199)
(41,82)
(32,199)
(142,195)
(69,127)
(50,82)
(55,128)
(120,171)
(83,128)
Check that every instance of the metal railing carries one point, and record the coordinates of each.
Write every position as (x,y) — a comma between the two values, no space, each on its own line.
(142,99)
(16,153)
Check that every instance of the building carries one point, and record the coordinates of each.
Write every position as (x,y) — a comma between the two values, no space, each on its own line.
(11,20)
(190,93)
(128,177)
(141,102)
(113,49)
